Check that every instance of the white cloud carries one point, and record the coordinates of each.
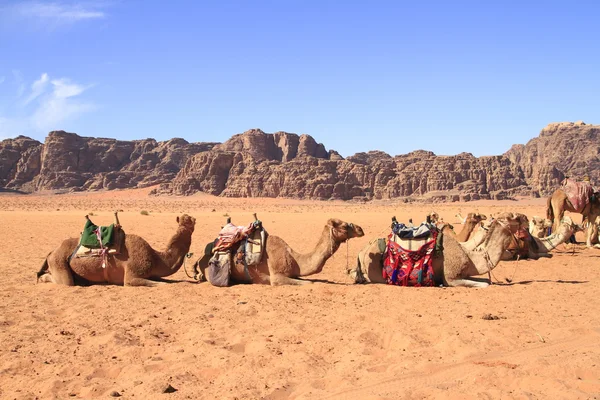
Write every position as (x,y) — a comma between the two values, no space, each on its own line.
(48,15)
(18,77)
(49,104)
(60,105)
(2,79)
(37,88)
(57,11)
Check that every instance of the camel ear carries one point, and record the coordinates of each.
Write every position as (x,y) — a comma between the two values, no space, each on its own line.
(177,219)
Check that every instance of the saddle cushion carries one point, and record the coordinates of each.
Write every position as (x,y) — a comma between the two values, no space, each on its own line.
(219,268)
(404,267)
(89,237)
(578,193)
(244,253)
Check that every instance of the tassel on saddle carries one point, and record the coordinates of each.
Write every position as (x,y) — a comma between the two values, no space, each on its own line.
(97,241)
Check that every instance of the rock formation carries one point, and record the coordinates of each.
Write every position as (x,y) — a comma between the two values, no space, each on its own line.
(69,161)
(254,164)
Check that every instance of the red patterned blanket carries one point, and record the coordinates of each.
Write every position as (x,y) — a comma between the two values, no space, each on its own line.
(409,268)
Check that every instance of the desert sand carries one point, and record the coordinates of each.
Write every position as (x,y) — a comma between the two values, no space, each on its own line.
(533,338)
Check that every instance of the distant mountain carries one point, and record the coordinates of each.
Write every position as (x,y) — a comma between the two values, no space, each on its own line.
(258,164)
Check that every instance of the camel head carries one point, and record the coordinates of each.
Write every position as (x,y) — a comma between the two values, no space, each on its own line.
(475,217)
(515,221)
(434,217)
(538,226)
(187,222)
(342,231)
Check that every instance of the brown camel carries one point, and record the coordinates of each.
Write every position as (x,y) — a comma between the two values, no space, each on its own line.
(541,246)
(281,264)
(558,203)
(458,261)
(136,265)
(471,221)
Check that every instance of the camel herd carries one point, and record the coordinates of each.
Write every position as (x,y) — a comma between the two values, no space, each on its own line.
(473,251)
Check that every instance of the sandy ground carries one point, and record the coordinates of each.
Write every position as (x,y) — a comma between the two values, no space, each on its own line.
(328,340)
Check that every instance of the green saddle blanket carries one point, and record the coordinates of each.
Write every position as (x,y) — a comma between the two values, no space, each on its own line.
(89,238)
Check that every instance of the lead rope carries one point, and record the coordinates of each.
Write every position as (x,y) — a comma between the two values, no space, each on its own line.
(347,255)
(491,274)
(188,255)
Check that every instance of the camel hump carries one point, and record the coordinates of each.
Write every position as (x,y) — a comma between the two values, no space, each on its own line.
(578,193)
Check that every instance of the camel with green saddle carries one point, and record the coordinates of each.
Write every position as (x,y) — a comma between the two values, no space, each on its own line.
(130,261)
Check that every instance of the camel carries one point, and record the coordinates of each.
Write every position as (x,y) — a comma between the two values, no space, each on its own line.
(281,265)
(458,261)
(469,223)
(541,247)
(558,203)
(596,235)
(136,265)
(538,226)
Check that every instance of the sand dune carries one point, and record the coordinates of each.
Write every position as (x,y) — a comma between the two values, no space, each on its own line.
(329,340)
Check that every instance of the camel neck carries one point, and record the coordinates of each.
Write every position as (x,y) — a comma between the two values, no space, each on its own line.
(488,254)
(465,232)
(550,242)
(172,258)
(313,262)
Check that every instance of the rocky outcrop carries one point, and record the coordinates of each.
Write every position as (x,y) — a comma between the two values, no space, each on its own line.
(69,161)
(562,149)
(20,162)
(257,164)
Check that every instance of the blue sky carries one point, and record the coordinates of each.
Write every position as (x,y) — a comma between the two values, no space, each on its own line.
(445,76)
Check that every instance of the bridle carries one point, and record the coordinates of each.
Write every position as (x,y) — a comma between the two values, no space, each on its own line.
(514,241)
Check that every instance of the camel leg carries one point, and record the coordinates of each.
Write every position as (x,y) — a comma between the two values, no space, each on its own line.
(467,283)
(142,282)
(279,279)
(131,280)
(45,278)
(591,230)
(59,272)
(558,207)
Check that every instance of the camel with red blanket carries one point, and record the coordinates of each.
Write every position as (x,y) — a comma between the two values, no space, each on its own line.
(577,197)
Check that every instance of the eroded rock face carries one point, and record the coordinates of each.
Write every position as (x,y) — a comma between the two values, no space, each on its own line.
(257,164)
(298,167)
(20,162)
(69,161)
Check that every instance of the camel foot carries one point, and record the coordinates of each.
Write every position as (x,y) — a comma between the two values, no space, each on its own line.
(143,282)
(45,278)
(467,283)
(284,280)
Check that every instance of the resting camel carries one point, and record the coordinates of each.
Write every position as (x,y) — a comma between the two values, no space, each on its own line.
(541,247)
(469,224)
(558,203)
(136,265)
(458,261)
(538,226)
(281,265)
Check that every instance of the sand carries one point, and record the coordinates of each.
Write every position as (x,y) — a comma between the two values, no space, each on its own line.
(328,340)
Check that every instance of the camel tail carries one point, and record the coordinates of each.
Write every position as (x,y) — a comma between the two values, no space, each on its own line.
(549,210)
(43,270)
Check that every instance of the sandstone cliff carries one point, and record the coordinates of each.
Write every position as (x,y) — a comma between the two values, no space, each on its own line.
(254,164)
(69,161)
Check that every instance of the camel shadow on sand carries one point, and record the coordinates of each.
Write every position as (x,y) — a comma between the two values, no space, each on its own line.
(529,282)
